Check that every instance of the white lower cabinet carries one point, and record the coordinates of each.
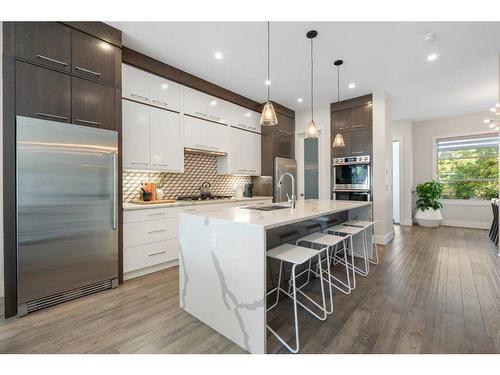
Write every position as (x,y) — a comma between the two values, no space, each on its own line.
(150,235)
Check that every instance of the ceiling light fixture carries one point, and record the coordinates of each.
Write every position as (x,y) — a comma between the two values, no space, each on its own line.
(268,116)
(430,37)
(300,100)
(312,129)
(432,57)
(339,139)
(352,85)
(218,55)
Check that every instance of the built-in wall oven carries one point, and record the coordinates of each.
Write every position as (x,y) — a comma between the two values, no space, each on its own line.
(351,178)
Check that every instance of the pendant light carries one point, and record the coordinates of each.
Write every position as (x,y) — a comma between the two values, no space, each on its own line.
(268,116)
(339,139)
(312,130)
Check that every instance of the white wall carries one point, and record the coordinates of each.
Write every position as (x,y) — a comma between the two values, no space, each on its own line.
(396,182)
(382,167)
(474,214)
(403,131)
(322,120)
(1,165)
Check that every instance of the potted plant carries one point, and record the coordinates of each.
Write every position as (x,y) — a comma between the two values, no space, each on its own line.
(428,204)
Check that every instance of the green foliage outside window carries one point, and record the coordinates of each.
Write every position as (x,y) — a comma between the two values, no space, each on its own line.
(469,173)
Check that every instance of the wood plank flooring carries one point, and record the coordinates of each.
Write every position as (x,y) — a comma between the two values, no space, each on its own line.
(434,291)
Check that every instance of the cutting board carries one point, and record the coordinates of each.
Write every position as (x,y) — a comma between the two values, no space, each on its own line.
(155,202)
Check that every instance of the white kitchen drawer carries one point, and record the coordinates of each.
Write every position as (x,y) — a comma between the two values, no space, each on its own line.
(151,214)
(143,232)
(137,257)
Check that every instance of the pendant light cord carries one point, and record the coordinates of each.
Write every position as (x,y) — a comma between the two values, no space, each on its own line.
(338,83)
(312,82)
(268,61)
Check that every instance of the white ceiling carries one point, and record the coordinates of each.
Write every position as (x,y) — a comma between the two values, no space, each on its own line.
(377,55)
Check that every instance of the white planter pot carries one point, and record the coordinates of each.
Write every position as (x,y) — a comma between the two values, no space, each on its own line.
(429,218)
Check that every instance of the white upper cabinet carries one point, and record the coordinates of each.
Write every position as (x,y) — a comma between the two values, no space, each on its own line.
(205,135)
(207,107)
(150,89)
(135,84)
(244,118)
(166,141)
(164,94)
(135,135)
(244,155)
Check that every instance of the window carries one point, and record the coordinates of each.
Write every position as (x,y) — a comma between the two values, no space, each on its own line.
(468,166)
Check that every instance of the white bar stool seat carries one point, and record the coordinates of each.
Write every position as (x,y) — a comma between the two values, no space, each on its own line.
(353,231)
(330,241)
(367,225)
(296,255)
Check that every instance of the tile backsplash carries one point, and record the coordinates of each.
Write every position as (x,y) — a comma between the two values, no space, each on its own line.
(197,169)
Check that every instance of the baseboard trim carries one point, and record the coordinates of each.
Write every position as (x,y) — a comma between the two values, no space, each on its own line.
(384,239)
(406,222)
(147,270)
(466,224)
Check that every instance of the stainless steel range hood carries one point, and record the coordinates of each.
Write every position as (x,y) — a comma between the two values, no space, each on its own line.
(191,150)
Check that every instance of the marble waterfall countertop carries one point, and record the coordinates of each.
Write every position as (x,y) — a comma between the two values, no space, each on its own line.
(136,206)
(304,210)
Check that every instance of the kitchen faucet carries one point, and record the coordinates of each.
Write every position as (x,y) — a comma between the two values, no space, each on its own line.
(291,199)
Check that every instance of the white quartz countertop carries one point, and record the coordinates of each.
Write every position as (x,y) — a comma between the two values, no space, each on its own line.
(304,210)
(135,206)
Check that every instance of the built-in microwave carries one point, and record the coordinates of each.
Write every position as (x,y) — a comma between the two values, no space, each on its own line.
(351,173)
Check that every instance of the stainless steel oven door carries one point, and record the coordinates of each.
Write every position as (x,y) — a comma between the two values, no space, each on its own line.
(351,177)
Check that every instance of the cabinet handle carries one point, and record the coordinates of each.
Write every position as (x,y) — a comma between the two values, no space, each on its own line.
(157,231)
(158,253)
(158,102)
(357,126)
(243,126)
(139,96)
(358,152)
(161,165)
(89,122)
(214,118)
(213,148)
(52,60)
(158,214)
(203,146)
(138,163)
(88,71)
(200,114)
(52,116)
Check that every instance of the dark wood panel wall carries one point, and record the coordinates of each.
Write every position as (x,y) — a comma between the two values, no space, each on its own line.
(57,69)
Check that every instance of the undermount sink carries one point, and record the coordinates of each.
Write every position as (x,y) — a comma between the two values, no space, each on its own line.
(265,208)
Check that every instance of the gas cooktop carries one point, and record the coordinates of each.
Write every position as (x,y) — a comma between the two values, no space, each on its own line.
(202,198)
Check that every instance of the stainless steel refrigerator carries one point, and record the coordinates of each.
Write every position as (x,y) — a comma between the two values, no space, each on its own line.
(284,165)
(67,212)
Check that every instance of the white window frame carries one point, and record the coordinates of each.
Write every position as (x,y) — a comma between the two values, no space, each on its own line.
(456,202)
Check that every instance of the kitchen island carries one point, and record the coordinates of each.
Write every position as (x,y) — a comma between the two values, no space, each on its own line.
(222,261)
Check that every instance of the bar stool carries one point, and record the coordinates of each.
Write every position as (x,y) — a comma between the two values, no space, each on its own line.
(366,225)
(353,231)
(296,255)
(331,242)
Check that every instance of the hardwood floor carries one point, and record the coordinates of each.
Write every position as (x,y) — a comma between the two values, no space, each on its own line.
(434,291)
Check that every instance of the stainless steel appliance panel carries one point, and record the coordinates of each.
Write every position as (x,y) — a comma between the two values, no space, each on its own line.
(284,165)
(67,210)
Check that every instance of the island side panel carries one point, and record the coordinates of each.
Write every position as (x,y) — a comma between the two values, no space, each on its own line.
(222,278)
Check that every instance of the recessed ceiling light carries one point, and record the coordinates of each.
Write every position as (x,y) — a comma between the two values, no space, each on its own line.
(487,121)
(164,86)
(218,55)
(213,102)
(300,100)
(432,57)
(491,126)
(352,85)
(431,37)
(493,109)
(248,114)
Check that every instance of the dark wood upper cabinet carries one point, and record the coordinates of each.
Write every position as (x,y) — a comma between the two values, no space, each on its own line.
(45,43)
(361,117)
(361,142)
(93,104)
(93,58)
(284,145)
(285,124)
(267,154)
(341,120)
(42,93)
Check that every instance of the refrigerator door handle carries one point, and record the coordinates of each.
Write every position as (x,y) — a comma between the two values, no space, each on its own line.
(115,190)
